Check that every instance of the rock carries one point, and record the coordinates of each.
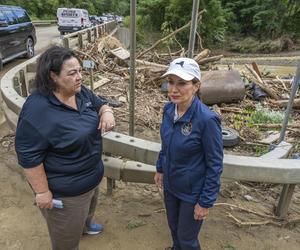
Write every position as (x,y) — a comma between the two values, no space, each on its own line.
(122,99)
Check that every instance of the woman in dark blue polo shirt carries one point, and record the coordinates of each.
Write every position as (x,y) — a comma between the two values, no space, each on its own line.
(59,145)
(191,159)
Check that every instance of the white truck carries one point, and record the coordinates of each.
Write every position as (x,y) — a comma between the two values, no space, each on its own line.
(72,19)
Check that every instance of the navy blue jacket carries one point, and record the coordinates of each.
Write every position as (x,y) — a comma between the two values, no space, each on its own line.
(191,157)
(65,140)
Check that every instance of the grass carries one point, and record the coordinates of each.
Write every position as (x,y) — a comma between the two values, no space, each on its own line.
(229,247)
(135,223)
(265,116)
(261,150)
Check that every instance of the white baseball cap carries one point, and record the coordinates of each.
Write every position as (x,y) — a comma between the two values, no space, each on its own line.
(185,68)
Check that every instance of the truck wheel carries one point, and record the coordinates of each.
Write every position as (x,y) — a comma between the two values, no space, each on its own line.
(230,137)
(29,48)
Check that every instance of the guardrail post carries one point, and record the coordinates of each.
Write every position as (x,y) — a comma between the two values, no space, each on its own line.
(23,83)
(66,43)
(80,40)
(105,27)
(89,36)
(95,33)
(17,86)
(110,185)
(284,200)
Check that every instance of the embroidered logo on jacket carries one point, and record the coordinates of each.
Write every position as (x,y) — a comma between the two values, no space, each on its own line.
(186,128)
(88,104)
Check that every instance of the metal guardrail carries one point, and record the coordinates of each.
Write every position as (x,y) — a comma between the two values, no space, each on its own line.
(15,86)
(78,40)
(44,22)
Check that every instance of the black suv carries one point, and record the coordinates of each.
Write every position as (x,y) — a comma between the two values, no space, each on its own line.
(17,34)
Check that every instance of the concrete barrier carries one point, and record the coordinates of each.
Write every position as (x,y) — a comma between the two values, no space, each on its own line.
(44,22)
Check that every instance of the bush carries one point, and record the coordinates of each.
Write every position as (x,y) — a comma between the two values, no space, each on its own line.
(141,24)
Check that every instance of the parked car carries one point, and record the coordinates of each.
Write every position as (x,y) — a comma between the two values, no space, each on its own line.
(104,19)
(96,20)
(72,20)
(119,19)
(17,34)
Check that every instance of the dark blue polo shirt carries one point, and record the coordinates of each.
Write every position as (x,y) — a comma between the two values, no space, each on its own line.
(65,140)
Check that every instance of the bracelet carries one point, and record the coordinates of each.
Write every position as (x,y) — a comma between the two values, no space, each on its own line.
(107,110)
(43,192)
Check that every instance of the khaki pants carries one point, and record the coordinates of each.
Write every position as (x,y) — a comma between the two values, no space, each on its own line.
(67,225)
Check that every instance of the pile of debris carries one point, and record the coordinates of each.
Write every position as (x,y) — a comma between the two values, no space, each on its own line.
(111,80)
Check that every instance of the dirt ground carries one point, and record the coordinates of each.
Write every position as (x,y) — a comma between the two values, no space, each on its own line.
(134,216)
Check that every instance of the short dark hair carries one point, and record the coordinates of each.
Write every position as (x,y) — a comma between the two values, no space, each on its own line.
(198,93)
(51,60)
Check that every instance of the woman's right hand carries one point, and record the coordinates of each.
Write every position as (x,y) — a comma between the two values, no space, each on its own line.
(159,179)
(44,200)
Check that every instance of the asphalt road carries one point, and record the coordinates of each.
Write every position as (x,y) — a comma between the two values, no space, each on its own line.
(45,37)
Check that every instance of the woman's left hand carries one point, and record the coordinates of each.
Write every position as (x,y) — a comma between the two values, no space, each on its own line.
(107,122)
(200,213)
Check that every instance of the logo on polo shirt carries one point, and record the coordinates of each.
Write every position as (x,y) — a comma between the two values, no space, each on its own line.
(88,104)
(186,128)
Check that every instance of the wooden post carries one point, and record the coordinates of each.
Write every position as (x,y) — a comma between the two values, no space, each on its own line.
(66,43)
(109,185)
(100,30)
(80,40)
(95,33)
(105,27)
(17,86)
(91,79)
(284,200)
(24,92)
(89,36)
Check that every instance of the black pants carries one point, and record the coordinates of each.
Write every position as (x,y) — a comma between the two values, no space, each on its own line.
(184,228)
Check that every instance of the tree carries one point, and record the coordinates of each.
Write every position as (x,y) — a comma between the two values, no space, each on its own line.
(213,26)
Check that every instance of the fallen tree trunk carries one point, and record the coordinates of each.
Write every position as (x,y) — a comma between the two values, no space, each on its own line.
(264,125)
(284,103)
(209,59)
(257,80)
(176,53)
(203,54)
(152,64)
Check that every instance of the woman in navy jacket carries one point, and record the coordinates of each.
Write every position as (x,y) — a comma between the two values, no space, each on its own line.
(190,162)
